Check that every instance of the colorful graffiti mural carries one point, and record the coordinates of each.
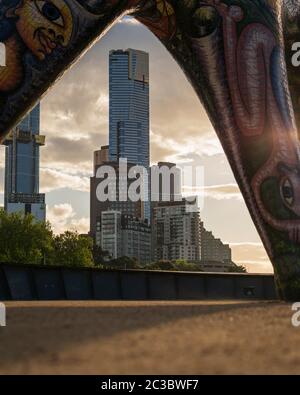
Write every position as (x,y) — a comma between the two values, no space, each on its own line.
(232,51)
(34,26)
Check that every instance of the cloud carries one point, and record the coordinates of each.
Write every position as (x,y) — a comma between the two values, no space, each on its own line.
(63,217)
(218,192)
(82,225)
(128,20)
(69,152)
(253,256)
(74,108)
(59,216)
(61,211)
(52,179)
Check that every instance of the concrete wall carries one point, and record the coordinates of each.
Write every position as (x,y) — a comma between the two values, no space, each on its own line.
(55,283)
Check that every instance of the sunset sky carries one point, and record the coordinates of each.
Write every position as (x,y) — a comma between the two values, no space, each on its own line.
(75,121)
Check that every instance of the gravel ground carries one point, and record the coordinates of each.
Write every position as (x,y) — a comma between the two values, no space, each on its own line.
(149,338)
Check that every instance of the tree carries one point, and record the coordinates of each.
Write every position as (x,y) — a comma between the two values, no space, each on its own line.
(23,239)
(237,269)
(100,257)
(161,265)
(174,266)
(123,263)
(185,266)
(72,249)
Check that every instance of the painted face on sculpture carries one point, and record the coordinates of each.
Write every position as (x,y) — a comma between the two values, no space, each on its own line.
(36,27)
(290,188)
(43,25)
(205,20)
(99,7)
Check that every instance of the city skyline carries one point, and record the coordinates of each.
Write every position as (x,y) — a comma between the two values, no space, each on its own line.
(179,136)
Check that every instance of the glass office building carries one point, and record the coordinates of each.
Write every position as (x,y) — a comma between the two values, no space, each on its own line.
(22,166)
(129,108)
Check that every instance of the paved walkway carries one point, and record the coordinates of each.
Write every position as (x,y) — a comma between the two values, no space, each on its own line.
(149,338)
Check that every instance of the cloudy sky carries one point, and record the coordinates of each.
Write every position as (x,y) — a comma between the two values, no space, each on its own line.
(75,121)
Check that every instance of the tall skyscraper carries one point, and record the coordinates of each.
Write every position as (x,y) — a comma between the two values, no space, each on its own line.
(22,165)
(129,106)
(129,110)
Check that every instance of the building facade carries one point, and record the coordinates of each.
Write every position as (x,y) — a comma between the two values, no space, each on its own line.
(109,233)
(213,249)
(136,238)
(116,182)
(176,232)
(101,156)
(22,167)
(166,185)
(124,235)
(129,114)
(129,106)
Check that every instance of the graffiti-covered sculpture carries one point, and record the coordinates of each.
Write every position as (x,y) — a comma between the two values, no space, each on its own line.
(232,51)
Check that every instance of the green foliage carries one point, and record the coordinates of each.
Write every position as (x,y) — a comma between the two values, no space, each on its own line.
(237,269)
(179,265)
(100,257)
(72,249)
(23,240)
(123,263)
(184,266)
(282,245)
(160,265)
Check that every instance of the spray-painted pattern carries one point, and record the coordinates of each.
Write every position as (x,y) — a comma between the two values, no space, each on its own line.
(231,51)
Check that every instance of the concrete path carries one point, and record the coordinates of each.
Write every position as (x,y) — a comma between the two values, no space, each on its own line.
(149,338)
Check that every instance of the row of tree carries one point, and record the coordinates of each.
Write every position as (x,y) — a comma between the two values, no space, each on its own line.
(26,241)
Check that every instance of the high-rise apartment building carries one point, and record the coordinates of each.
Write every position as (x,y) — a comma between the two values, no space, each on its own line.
(129,106)
(124,235)
(165,182)
(97,206)
(213,249)
(136,239)
(109,235)
(22,166)
(176,229)
(101,156)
